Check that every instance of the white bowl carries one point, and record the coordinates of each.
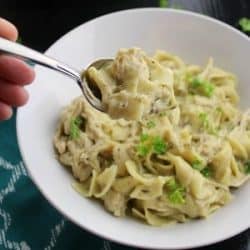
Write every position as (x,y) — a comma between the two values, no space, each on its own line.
(192,36)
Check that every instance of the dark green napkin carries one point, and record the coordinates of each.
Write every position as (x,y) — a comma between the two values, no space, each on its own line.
(27,220)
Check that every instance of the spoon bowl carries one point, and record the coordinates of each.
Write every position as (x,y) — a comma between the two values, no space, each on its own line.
(90,82)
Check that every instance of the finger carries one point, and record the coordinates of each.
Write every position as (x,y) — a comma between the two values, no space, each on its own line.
(5,111)
(8,30)
(13,95)
(16,71)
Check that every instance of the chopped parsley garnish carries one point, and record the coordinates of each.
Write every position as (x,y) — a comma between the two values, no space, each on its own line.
(202,87)
(176,197)
(244,24)
(207,172)
(75,124)
(161,114)
(197,165)
(144,147)
(151,124)
(204,120)
(159,145)
(206,124)
(144,137)
(247,167)
(172,184)
(176,193)
(219,109)
(163,3)
(143,150)
(151,143)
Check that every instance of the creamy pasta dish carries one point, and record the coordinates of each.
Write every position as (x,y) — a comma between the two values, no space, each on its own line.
(171,146)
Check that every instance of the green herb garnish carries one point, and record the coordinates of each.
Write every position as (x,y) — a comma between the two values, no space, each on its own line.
(74,130)
(163,3)
(244,24)
(148,143)
(159,145)
(143,150)
(247,167)
(144,137)
(208,89)
(161,114)
(151,124)
(176,193)
(219,110)
(204,120)
(144,147)
(176,197)
(207,172)
(206,124)
(172,184)
(202,87)
(197,165)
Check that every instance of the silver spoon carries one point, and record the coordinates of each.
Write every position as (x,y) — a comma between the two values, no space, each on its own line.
(23,52)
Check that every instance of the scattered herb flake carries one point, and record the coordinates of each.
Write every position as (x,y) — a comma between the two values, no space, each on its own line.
(161,114)
(195,82)
(204,120)
(176,197)
(197,165)
(78,121)
(148,143)
(206,124)
(208,89)
(151,124)
(176,192)
(143,150)
(144,137)
(247,167)
(75,124)
(244,24)
(207,172)
(159,145)
(202,87)
(219,110)
(163,3)
(172,184)
(188,77)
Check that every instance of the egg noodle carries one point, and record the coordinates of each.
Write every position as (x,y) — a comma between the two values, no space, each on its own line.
(175,145)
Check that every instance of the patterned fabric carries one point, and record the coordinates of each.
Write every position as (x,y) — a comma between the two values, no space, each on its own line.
(27,220)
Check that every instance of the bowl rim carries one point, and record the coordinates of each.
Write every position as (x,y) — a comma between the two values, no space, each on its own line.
(189,245)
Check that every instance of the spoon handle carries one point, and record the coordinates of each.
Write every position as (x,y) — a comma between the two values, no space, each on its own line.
(26,53)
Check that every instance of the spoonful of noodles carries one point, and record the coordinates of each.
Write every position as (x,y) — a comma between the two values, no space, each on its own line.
(23,52)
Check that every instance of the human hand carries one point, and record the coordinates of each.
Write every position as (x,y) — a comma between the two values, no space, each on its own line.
(14,75)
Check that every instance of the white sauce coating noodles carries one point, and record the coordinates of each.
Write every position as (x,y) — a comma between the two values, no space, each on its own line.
(175,145)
